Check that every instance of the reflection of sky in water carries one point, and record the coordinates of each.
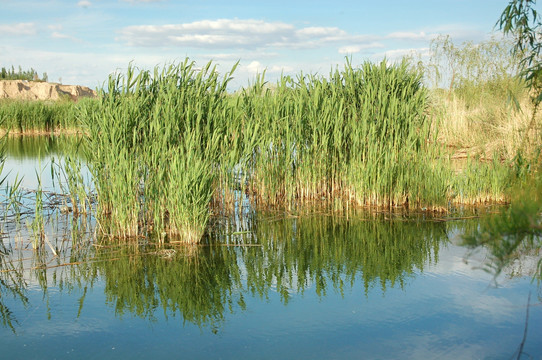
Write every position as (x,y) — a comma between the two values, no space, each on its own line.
(33,156)
(29,169)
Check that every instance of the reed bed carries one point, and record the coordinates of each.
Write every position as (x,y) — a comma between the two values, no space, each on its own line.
(168,147)
(35,117)
(360,136)
(153,147)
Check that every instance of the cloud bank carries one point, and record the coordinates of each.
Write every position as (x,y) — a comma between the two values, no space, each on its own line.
(251,34)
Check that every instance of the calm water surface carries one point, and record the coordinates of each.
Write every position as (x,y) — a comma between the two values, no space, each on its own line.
(263,286)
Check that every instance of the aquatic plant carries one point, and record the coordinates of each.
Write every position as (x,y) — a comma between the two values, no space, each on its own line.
(153,141)
(167,147)
(28,117)
(360,136)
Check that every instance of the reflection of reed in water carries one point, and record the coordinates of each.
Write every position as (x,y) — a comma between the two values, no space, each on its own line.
(58,258)
(202,284)
(322,252)
(13,285)
(29,147)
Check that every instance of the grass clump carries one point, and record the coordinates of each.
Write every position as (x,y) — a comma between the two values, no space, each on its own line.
(153,142)
(359,136)
(28,117)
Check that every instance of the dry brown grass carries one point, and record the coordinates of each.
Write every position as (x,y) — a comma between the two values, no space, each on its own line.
(494,127)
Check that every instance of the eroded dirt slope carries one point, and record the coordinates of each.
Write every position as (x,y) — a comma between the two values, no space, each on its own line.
(35,90)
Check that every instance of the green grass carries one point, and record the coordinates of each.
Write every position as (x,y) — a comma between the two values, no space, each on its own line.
(39,116)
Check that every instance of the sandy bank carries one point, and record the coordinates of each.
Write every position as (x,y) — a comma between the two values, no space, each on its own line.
(36,90)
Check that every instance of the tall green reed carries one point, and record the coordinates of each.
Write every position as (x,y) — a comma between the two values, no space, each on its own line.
(167,147)
(152,147)
(360,136)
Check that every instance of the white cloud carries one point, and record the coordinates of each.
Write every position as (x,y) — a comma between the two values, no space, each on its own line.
(407,35)
(222,33)
(84,3)
(255,67)
(59,35)
(250,34)
(223,56)
(321,32)
(55,27)
(352,49)
(397,54)
(280,69)
(18,29)
(234,56)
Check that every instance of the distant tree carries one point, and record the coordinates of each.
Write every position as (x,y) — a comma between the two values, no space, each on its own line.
(454,66)
(30,75)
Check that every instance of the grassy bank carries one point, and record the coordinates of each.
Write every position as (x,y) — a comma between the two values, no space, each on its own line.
(485,105)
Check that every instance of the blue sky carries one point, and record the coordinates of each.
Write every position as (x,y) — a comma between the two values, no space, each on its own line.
(82,41)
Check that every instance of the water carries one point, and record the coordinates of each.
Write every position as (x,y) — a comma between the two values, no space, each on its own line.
(265,286)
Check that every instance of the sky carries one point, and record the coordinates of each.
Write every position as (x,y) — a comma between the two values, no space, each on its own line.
(83,41)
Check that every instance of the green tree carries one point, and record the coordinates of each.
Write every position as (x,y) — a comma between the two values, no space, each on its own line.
(521,20)
(518,230)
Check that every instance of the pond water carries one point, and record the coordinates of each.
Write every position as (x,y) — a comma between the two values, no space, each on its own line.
(262,286)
